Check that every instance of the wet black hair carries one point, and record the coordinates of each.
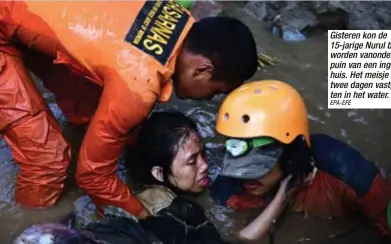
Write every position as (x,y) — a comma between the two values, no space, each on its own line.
(158,142)
(296,159)
(229,44)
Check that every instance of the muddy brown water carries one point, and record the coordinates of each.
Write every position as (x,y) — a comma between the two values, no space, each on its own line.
(304,65)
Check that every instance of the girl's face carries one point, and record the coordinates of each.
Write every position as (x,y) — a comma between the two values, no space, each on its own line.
(189,171)
(264,184)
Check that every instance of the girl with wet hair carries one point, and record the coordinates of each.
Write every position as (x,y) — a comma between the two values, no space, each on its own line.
(170,158)
(170,152)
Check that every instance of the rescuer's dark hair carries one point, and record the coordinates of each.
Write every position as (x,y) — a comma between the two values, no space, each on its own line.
(228,43)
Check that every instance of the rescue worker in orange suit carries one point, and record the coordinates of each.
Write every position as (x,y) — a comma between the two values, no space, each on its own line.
(107,63)
(274,160)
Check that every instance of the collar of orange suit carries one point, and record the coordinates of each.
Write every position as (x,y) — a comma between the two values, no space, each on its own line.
(167,84)
(166,92)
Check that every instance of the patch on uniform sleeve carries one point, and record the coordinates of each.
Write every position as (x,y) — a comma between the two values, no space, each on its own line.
(157,28)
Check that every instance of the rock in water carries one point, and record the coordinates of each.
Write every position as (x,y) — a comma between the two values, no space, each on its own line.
(203,9)
(295,21)
(53,233)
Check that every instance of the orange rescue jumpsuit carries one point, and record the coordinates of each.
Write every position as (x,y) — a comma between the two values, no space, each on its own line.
(107,64)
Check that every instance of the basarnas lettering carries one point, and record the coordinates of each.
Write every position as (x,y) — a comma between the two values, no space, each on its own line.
(157,28)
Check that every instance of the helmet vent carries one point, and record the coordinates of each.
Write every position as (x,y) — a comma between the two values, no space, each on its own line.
(287,134)
(245,118)
(226,116)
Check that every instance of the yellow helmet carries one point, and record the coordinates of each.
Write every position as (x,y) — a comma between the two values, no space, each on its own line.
(267,108)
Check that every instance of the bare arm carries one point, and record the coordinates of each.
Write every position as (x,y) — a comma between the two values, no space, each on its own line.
(259,227)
